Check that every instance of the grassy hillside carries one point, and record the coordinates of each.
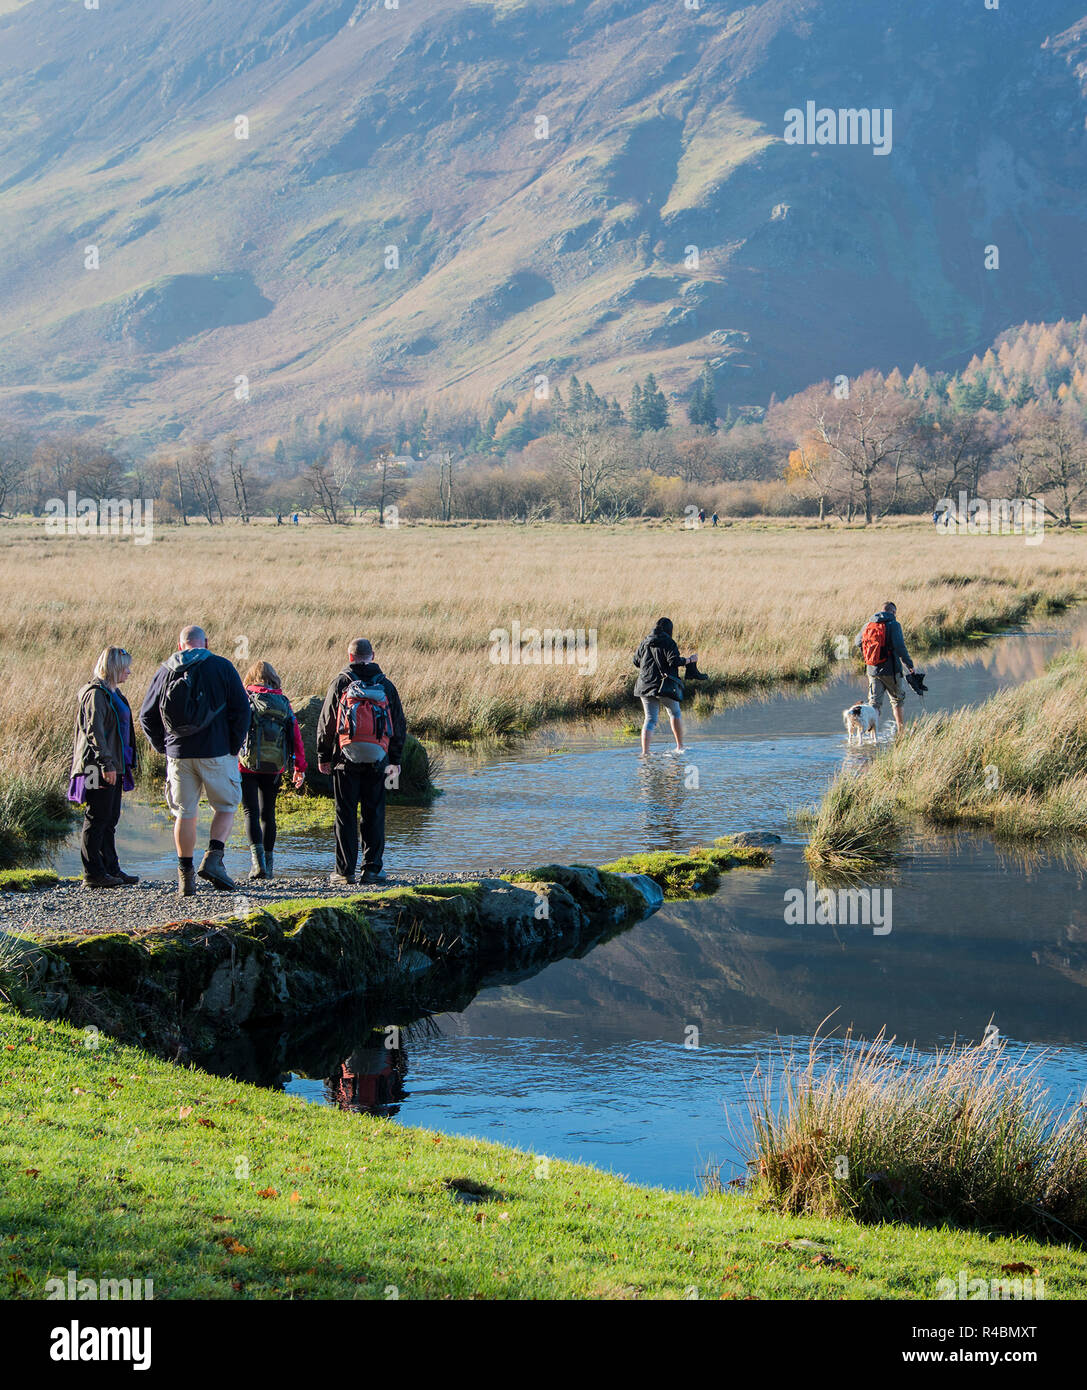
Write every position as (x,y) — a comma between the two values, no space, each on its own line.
(520,250)
(123,1166)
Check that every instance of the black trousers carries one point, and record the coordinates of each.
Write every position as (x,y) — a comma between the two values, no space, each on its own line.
(101,812)
(259,792)
(359,794)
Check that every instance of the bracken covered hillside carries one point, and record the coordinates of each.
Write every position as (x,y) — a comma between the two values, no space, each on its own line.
(520,247)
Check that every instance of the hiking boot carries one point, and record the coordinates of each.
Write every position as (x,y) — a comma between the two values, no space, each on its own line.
(186,881)
(342,878)
(373,876)
(268,862)
(125,878)
(213,869)
(102,881)
(260,864)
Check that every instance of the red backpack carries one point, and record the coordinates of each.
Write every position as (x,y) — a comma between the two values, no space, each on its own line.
(364,723)
(875,644)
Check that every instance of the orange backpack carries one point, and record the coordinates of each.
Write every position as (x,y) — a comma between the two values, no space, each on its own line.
(875,644)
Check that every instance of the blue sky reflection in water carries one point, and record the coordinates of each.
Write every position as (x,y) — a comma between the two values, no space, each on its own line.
(586,1060)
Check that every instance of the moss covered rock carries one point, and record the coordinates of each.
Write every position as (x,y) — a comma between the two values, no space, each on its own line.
(693,873)
(188,985)
(416,783)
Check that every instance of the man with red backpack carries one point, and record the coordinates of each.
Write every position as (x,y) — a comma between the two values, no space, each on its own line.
(360,741)
(884,650)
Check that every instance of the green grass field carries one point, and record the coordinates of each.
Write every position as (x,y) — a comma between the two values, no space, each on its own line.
(121,1166)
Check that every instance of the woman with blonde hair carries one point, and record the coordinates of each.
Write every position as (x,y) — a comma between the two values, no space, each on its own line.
(272,747)
(103,767)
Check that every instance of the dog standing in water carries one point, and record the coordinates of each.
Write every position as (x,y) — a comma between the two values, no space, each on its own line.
(860,719)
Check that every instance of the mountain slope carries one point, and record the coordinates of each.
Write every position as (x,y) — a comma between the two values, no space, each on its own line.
(415,128)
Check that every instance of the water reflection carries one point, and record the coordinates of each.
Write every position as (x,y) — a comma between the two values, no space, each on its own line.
(590,1058)
(371,1080)
(663,785)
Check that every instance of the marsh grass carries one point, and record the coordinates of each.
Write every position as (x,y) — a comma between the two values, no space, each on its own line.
(1016,765)
(35,813)
(964,1137)
(762,603)
(853,831)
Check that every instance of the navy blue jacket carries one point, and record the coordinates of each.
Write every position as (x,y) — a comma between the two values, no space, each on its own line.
(226,732)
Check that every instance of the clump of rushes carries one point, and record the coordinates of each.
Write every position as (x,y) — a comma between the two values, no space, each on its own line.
(853,831)
(964,1137)
(1016,765)
(34,810)
(692,873)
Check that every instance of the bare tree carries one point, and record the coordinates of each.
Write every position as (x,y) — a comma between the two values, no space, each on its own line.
(323,490)
(871,431)
(237,466)
(343,462)
(950,450)
(590,457)
(445,484)
(181,491)
(386,484)
(815,470)
(696,459)
(15,457)
(1056,444)
(203,475)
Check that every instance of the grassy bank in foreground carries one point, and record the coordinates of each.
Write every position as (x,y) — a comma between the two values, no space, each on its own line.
(1016,765)
(119,1165)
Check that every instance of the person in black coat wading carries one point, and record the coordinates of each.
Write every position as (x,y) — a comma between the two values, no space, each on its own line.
(360,742)
(658,662)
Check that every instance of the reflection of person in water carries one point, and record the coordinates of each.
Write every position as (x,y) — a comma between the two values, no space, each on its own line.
(663,790)
(371,1079)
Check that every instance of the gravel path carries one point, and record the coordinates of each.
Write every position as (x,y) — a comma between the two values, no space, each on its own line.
(72,910)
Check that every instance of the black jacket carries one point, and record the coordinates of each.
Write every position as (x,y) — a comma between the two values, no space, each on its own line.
(658,656)
(328,749)
(226,732)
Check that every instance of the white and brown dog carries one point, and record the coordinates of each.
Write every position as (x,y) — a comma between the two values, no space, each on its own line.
(860,719)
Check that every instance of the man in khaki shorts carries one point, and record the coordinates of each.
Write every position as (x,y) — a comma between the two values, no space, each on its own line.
(196,711)
(884,665)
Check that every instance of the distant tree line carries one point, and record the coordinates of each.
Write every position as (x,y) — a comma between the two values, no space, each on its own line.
(1012,424)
